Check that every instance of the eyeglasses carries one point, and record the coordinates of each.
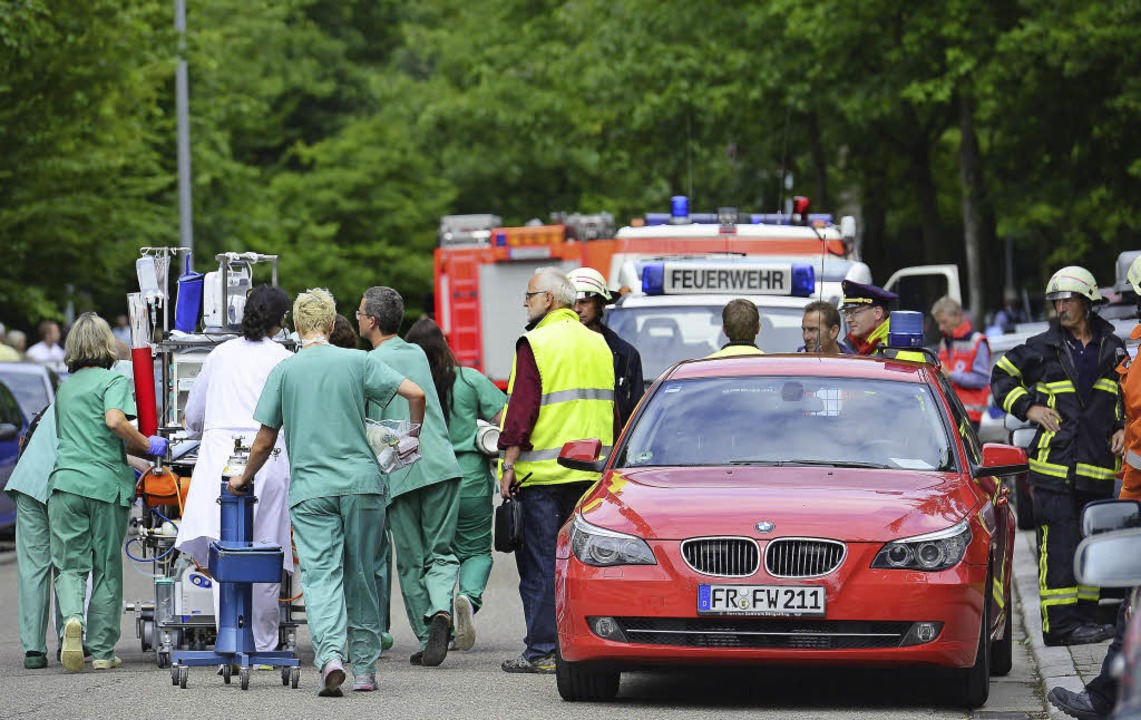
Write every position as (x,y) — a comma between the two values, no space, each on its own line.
(852,312)
(528,295)
(358,314)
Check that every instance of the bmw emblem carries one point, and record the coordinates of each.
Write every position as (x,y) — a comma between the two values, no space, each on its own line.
(764,526)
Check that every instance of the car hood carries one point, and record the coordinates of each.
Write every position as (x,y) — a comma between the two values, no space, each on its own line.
(855,505)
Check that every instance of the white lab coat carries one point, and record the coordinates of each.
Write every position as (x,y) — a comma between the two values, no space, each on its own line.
(220,407)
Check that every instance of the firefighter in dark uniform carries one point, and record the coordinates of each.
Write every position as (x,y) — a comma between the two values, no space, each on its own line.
(591,296)
(1065,380)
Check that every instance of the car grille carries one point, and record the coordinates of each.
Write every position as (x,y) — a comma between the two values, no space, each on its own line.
(722,556)
(764,633)
(803,557)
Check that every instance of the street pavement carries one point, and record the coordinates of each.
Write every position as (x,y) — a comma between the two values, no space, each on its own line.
(471,685)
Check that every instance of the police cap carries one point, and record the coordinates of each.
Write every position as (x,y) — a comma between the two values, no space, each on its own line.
(858,295)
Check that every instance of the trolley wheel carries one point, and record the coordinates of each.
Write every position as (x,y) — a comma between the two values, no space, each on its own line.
(227,672)
(163,659)
(244,676)
(285,675)
(294,676)
(183,675)
(174,675)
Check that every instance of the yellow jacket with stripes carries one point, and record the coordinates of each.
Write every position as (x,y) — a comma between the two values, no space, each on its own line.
(576,371)
(1041,372)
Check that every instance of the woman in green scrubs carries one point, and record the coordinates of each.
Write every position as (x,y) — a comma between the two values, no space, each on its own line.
(466,396)
(336,494)
(91,491)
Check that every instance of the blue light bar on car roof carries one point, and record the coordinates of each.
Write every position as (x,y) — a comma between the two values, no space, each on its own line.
(905,329)
(728,278)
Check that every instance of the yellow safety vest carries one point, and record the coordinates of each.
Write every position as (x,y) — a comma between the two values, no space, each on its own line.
(735,350)
(577,373)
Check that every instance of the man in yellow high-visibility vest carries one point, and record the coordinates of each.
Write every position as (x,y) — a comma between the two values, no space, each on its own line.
(561,389)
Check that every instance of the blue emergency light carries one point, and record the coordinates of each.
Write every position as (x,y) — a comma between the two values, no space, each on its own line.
(679,210)
(905,329)
(728,278)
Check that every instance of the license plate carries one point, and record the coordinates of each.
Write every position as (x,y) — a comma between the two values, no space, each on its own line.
(785,600)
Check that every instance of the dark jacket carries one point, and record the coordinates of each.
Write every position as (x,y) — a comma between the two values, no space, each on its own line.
(1041,372)
(629,385)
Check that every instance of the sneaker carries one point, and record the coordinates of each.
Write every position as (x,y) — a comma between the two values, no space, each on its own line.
(416,658)
(544,665)
(436,649)
(106,664)
(1077,705)
(35,660)
(465,630)
(386,641)
(365,682)
(332,676)
(71,653)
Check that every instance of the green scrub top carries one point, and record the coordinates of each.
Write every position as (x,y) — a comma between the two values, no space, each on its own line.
(473,397)
(35,466)
(91,461)
(437,459)
(319,395)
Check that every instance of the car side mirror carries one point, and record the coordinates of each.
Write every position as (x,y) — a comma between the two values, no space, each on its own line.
(582,455)
(1109,560)
(8,431)
(1106,515)
(1000,460)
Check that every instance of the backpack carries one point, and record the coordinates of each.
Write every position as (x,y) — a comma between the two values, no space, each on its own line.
(27,436)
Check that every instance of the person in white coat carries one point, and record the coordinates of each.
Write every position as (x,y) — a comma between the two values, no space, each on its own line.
(220,408)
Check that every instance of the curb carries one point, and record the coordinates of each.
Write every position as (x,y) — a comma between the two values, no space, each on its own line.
(1056,665)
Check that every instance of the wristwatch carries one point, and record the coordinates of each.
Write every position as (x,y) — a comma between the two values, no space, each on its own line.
(508,466)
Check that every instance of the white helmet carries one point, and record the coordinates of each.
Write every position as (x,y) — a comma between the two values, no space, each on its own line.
(587,282)
(1134,275)
(1073,281)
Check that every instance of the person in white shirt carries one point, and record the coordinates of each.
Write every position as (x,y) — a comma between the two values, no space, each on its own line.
(220,407)
(47,351)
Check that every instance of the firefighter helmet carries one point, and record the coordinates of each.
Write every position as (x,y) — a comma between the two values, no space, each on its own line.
(1072,281)
(1134,275)
(587,282)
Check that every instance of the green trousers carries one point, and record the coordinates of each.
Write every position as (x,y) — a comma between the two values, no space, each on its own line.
(87,538)
(337,540)
(33,555)
(423,527)
(473,546)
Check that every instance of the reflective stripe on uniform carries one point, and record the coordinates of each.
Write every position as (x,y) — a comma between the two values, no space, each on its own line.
(552,454)
(576,394)
(1045,468)
(1090,593)
(996,593)
(1008,366)
(1093,471)
(1133,459)
(1107,385)
(1008,403)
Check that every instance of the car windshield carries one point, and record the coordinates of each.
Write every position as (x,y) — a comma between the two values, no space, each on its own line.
(786,421)
(30,391)
(665,335)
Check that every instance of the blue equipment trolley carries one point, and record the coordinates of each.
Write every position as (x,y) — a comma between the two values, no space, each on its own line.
(236,562)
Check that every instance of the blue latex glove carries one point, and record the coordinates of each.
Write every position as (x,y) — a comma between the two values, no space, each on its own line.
(158,446)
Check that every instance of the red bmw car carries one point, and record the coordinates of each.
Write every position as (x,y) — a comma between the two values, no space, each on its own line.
(790,509)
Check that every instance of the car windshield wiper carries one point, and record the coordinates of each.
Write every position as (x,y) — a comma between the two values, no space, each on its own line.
(812,463)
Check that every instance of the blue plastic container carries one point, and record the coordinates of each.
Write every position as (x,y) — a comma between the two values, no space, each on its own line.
(188,308)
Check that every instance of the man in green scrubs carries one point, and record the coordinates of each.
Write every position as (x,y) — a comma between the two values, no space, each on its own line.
(336,494)
(425,499)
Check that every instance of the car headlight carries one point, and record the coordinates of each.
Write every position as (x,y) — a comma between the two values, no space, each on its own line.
(601,547)
(934,551)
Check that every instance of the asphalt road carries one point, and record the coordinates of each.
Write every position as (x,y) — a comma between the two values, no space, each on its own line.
(471,685)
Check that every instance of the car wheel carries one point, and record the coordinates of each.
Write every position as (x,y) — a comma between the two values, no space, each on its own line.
(1002,650)
(971,686)
(1023,508)
(581,683)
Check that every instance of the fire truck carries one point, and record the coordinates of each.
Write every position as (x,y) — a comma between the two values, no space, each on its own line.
(675,272)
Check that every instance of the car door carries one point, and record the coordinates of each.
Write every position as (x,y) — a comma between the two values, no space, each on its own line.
(920,286)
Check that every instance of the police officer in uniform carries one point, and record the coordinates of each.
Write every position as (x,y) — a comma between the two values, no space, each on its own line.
(866,309)
(591,296)
(1065,380)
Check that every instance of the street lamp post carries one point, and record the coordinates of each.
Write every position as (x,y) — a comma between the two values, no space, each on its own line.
(182,110)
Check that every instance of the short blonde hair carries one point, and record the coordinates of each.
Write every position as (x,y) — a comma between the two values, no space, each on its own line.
(314,309)
(90,343)
(947,305)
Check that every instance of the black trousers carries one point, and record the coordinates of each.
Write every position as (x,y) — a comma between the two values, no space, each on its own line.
(1064,604)
(1103,688)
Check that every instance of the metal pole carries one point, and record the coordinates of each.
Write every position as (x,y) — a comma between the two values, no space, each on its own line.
(182,108)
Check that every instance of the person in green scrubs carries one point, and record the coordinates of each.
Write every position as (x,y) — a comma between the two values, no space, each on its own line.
(336,495)
(91,490)
(425,496)
(28,488)
(466,396)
